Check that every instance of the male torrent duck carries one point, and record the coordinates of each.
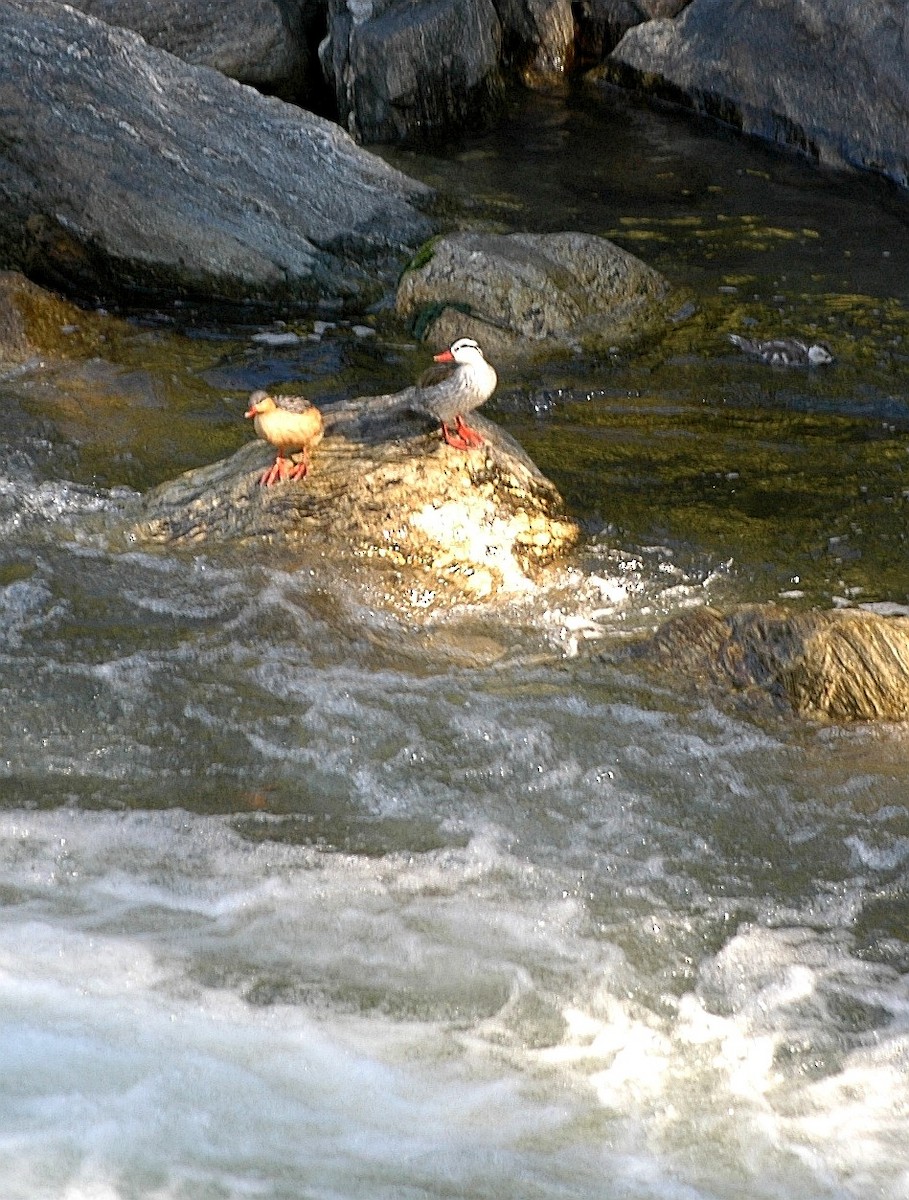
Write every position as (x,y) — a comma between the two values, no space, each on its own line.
(292,425)
(462,382)
(785,352)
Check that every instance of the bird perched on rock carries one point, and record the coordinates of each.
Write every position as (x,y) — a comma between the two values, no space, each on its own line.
(292,425)
(785,352)
(461,382)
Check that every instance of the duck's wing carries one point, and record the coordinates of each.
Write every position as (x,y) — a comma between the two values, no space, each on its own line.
(293,404)
(435,374)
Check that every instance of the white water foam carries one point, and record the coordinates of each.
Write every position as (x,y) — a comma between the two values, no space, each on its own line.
(184,1013)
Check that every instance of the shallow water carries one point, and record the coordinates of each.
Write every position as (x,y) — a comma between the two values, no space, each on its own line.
(303,896)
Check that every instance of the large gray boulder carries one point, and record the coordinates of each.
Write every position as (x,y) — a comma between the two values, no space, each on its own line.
(259,42)
(538,37)
(123,169)
(524,293)
(410,72)
(828,77)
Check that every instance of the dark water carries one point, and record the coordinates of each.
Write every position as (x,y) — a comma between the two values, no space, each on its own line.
(300,896)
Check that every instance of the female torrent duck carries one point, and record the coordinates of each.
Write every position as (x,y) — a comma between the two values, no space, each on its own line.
(462,382)
(785,352)
(292,425)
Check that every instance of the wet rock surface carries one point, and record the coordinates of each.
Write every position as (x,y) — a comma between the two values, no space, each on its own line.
(838,90)
(440,525)
(523,293)
(123,170)
(840,664)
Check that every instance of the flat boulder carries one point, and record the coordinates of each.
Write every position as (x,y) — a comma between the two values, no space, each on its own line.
(384,496)
(525,293)
(259,42)
(838,90)
(839,664)
(125,171)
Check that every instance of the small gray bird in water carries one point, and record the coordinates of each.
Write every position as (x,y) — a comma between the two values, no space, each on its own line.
(785,352)
(462,382)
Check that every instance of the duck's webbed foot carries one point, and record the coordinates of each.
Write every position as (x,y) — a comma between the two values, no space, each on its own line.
(462,437)
(276,473)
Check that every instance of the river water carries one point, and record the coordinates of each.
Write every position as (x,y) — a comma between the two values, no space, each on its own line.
(306,896)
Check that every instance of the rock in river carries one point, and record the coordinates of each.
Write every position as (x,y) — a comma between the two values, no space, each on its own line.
(523,292)
(842,664)
(436,525)
(123,169)
(827,77)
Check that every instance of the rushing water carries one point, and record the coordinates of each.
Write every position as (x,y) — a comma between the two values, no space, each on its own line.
(303,897)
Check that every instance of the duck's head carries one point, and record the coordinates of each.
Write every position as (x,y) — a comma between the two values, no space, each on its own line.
(260,402)
(464,350)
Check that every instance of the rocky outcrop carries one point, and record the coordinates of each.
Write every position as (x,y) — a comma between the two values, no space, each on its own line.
(522,293)
(124,170)
(838,90)
(538,38)
(602,23)
(430,525)
(404,72)
(417,73)
(843,664)
(259,42)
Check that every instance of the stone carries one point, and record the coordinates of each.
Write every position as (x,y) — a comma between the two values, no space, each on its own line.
(602,23)
(404,72)
(838,90)
(259,42)
(125,172)
(524,293)
(37,323)
(539,38)
(430,525)
(841,664)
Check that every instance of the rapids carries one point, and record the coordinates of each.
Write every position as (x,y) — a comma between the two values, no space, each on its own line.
(306,896)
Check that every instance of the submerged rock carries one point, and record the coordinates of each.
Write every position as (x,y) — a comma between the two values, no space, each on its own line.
(838,89)
(843,664)
(259,42)
(122,169)
(522,292)
(440,525)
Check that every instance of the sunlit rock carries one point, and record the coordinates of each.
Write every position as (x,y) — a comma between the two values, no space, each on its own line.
(124,170)
(438,525)
(838,89)
(522,293)
(842,664)
(259,42)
